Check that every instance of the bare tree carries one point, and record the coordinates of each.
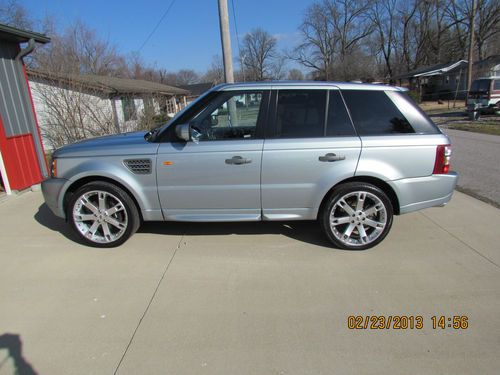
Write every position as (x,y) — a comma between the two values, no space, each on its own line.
(187,77)
(384,19)
(71,111)
(215,73)
(295,75)
(260,56)
(319,42)
(79,50)
(14,14)
(333,31)
(488,25)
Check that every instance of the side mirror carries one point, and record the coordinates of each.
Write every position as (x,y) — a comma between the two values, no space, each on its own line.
(183,131)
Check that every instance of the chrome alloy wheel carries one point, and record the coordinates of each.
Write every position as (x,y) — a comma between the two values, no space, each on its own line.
(100,216)
(358,218)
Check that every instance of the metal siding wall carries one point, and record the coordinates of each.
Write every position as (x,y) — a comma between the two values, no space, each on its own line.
(16,107)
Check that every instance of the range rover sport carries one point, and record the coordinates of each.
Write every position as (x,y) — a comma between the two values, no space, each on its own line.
(350,156)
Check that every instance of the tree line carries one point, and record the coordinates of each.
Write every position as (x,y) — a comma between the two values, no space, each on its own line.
(336,40)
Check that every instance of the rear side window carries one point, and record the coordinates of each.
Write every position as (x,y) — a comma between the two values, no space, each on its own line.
(374,113)
(497,85)
(300,113)
(338,123)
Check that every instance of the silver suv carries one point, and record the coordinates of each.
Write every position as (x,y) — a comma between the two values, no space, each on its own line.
(348,155)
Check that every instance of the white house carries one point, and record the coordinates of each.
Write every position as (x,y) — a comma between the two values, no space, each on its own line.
(74,107)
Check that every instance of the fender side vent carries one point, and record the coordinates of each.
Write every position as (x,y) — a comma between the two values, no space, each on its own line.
(138,166)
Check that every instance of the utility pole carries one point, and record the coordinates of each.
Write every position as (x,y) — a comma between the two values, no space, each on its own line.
(226,41)
(471,45)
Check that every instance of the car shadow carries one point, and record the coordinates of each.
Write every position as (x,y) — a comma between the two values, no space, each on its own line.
(304,231)
(45,217)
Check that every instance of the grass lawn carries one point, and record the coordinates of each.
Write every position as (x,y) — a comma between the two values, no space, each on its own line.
(486,127)
(457,118)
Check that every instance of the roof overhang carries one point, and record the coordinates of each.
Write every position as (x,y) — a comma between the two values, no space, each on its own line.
(16,35)
(443,70)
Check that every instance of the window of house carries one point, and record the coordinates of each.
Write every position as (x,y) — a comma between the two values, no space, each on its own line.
(374,113)
(129,110)
(300,113)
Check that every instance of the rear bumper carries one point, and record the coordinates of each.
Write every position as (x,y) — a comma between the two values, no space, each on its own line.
(52,190)
(423,192)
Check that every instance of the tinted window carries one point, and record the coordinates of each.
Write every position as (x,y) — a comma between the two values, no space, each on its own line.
(373,113)
(300,113)
(480,85)
(338,123)
(497,85)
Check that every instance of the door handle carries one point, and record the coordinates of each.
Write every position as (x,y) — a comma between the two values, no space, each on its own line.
(237,160)
(331,157)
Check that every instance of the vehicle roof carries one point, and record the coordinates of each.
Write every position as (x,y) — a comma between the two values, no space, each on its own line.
(304,85)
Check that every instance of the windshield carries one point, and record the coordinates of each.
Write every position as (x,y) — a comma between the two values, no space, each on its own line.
(481,85)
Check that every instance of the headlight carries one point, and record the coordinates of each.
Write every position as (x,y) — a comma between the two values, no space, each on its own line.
(53,168)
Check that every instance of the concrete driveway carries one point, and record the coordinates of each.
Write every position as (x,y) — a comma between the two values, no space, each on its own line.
(256,298)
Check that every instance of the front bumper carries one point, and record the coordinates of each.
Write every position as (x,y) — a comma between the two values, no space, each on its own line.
(53,193)
(423,192)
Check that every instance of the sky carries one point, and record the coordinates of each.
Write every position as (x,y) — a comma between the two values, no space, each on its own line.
(188,36)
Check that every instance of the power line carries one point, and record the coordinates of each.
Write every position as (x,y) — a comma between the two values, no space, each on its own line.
(157,25)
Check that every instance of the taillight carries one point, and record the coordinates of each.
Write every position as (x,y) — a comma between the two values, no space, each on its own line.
(442,163)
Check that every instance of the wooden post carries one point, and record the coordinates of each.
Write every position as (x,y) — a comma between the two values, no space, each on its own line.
(472,24)
(226,42)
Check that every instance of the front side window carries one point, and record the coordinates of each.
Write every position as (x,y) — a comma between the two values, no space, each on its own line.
(497,85)
(374,113)
(231,116)
(300,113)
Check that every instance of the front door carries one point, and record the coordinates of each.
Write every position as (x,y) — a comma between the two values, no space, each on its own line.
(216,177)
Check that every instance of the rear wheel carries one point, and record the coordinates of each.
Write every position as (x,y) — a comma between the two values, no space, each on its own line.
(102,214)
(357,216)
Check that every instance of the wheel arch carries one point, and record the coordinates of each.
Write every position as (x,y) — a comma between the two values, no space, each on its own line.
(382,185)
(75,185)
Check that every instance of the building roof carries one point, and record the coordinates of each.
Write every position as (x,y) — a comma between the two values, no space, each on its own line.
(434,70)
(198,88)
(16,35)
(106,85)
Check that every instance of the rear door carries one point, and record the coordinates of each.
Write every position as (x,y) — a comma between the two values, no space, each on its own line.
(310,146)
(216,178)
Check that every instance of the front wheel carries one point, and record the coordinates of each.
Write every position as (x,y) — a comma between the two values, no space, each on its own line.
(102,214)
(357,216)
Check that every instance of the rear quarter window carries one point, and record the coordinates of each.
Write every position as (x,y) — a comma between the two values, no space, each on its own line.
(387,113)
(374,113)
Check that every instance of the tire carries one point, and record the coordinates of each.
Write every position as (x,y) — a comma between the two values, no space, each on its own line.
(344,225)
(102,214)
